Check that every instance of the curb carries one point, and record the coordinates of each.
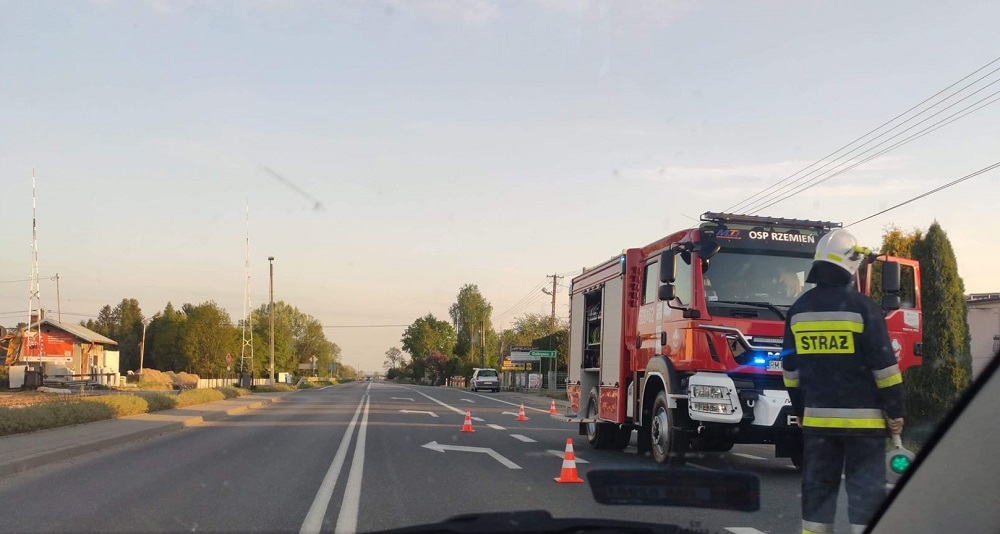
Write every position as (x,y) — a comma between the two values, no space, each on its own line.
(72,451)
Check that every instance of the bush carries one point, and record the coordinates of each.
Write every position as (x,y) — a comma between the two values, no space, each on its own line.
(155,377)
(198,396)
(273,389)
(52,415)
(309,385)
(123,405)
(159,402)
(232,392)
(143,384)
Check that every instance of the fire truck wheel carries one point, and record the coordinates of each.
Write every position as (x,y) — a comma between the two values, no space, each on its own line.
(704,444)
(599,435)
(623,435)
(665,446)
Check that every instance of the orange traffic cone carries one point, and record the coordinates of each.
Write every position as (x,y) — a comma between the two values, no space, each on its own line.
(568,474)
(552,408)
(467,427)
(520,414)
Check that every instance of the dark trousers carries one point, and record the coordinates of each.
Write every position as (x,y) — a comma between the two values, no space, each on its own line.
(862,461)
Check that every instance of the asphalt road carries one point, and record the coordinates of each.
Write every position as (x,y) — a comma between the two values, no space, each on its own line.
(362,457)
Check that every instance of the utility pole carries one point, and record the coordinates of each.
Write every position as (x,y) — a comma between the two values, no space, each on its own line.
(142,347)
(58,300)
(270,260)
(555,279)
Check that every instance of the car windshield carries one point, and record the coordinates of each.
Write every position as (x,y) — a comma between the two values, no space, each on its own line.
(303,266)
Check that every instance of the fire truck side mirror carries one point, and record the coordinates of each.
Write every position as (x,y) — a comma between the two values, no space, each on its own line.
(890,286)
(668,268)
(890,277)
(667,292)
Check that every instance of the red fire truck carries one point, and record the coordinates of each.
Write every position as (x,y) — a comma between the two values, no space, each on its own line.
(681,339)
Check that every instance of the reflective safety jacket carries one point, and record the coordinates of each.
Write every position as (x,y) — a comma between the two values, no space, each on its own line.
(839,366)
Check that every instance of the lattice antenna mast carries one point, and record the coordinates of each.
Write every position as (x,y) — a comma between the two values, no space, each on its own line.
(246,352)
(34,348)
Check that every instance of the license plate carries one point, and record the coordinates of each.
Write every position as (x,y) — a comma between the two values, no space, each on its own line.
(774,365)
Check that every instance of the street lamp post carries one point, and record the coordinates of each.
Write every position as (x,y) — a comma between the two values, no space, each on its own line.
(270,260)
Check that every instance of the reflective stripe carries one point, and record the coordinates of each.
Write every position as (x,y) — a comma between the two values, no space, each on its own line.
(853,317)
(842,422)
(886,373)
(890,376)
(843,418)
(812,527)
(828,326)
(834,257)
(858,529)
(790,378)
(854,413)
(883,383)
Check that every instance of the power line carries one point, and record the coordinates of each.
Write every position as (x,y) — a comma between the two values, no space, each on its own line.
(50,278)
(772,186)
(526,297)
(931,192)
(771,201)
(525,305)
(940,124)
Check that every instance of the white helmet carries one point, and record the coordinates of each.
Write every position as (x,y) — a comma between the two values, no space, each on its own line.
(840,248)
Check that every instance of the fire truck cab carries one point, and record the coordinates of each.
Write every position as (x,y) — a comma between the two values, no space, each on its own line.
(681,339)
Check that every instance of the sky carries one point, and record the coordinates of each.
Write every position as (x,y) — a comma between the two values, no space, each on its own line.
(392,151)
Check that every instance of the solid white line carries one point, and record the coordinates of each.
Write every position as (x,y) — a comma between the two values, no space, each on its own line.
(743,530)
(562,454)
(325,387)
(745,455)
(347,521)
(452,408)
(505,402)
(468,400)
(317,511)
(496,427)
(525,439)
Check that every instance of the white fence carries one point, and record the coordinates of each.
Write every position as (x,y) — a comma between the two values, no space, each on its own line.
(220,382)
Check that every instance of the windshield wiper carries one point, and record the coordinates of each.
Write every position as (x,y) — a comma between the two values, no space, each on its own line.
(767,305)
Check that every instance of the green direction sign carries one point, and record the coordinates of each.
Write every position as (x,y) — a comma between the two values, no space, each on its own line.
(543,353)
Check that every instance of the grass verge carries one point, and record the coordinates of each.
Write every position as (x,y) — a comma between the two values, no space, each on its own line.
(273,389)
(231,392)
(159,402)
(123,405)
(198,396)
(52,415)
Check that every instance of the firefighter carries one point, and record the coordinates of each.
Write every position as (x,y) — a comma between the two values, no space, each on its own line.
(845,387)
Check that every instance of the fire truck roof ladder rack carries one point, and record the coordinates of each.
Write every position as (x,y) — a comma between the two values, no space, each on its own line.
(776,221)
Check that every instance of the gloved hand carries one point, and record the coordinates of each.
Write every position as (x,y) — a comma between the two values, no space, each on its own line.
(895,425)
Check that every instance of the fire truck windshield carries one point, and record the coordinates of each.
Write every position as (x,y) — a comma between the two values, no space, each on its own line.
(756,276)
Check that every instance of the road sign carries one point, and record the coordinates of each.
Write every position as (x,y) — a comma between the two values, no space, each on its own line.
(305,366)
(229,360)
(543,353)
(313,359)
(519,354)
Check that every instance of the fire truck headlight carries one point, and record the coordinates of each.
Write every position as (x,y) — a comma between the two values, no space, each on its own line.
(710,392)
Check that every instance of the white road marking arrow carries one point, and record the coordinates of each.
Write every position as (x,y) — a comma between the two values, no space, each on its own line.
(435,446)
(525,439)
(468,400)
(508,413)
(432,414)
(402,398)
(480,419)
